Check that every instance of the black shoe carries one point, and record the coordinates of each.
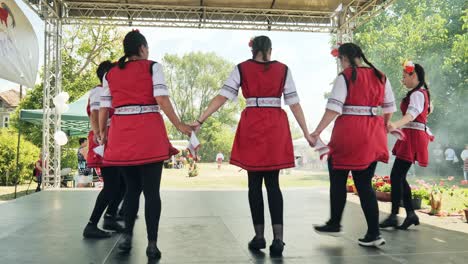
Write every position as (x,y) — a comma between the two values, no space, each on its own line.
(153,252)
(411,219)
(329,230)
(371,241)
(111,224)
(126,244)
(391,221)
(38,189)
(276,248)
(257,243)
(92,231)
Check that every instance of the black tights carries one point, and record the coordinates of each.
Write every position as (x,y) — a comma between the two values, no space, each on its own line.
(363,181)
(146,178)
(108,194)
(275,198)
(399,183)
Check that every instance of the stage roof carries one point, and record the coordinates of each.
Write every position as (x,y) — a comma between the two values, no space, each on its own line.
(281,15)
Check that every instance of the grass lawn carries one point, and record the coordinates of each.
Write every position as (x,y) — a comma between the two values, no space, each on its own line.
(231,177)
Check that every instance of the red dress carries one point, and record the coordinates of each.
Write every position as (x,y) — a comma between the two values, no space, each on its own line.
(93,160)
(263,139)
(139,138)
(415,145)
(358,141)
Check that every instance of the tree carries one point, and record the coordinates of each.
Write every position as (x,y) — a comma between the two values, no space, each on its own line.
(193,80)
(29,154)
(430,33)
(84,47)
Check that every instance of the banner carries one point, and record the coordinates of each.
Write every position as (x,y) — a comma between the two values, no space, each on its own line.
(19,48)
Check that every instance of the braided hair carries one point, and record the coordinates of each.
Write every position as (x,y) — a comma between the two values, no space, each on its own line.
(261,44)
(352,52)
(419,70)
(103,68)
(132,43)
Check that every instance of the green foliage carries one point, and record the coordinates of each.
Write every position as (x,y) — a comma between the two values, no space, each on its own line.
(84,47)
(193,80)
(432,33)
(420,193)
(29,154)
(69,158)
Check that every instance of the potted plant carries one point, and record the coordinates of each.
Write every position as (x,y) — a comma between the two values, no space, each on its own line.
(383,192)
(418,194)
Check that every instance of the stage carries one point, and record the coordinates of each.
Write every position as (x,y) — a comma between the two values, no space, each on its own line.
(210,227)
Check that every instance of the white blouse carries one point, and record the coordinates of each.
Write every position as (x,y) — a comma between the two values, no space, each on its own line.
(340,91)
(159,86)
(230,89)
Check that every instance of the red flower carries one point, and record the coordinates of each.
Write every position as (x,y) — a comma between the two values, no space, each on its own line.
(251,42)
(334,53)
(409,69)
(464,182)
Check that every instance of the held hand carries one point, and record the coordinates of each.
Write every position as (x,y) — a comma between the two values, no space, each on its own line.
(310,140)
(314,137)
(103,138)
(390,127)
(195,126)
(185,129)
(96,138)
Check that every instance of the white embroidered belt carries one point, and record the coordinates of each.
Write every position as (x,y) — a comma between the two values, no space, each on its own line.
(359,110)
(418,126)
(263,102)
(136,109)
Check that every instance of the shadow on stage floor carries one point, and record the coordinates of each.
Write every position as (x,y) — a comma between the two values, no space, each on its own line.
(210,227)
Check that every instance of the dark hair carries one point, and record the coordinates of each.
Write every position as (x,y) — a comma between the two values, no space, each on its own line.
(103,68)
(419,70)
(352,52)
(132,43)
(81,140)
(261,44)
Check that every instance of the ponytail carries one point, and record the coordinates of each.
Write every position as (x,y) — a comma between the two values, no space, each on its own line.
(122,62)
(261,44)
(376,71)
(353,52)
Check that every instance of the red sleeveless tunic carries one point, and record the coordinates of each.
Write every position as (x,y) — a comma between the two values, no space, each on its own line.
(140,138)
(92,159)
(263,139)
(415,145)
(358,141)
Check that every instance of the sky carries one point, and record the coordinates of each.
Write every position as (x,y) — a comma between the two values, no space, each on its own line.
(306,54)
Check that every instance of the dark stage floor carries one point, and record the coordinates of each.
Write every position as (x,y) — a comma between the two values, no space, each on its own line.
(210,227)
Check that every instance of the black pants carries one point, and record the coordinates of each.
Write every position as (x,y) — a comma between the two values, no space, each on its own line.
(363,181)
(275,198)
(146,178)
(399,184)
(114,204)
(108,194)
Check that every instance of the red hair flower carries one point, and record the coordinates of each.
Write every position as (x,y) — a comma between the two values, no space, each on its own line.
(136,30)
(408,66)
(334,52)
(251,41)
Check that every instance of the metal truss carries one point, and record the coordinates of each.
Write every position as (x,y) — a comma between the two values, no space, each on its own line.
(122,14)
(358,12)
(55,13)
(50,12)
